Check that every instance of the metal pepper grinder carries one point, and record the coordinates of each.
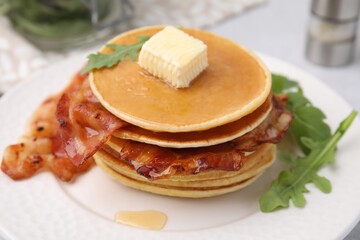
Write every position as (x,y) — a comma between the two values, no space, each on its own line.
(332,32)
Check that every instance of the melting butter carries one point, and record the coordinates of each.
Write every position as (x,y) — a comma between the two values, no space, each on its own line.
(174,56)
(149,219)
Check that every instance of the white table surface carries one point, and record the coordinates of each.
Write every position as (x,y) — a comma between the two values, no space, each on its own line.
(278,28)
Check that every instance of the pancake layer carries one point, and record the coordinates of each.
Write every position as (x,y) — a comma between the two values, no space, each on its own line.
(205,138)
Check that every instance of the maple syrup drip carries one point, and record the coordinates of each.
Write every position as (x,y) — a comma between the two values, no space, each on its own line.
(149,219)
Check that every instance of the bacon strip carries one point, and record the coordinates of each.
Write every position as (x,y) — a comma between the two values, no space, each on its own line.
(85,125)
(62,135)
(271,130)
(155,162)
(40,146)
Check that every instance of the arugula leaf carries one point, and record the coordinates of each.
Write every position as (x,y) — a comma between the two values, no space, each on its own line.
(309,123)
(308,120)
(291,184)
(281,84)
(120,54)
(314,138)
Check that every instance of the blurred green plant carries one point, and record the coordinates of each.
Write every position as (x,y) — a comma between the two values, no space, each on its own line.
(53,19)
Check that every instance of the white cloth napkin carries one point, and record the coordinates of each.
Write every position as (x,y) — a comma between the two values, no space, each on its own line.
(19,58)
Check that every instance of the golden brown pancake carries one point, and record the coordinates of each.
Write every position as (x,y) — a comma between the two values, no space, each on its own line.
(205,138)
(234,85)
(204,184)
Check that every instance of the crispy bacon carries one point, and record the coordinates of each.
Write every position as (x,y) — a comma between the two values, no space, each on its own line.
(271,130)
(40,146)
(85,125)
(155,162)
(62,145)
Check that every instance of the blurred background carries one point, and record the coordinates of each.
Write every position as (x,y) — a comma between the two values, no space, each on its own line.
(318,36)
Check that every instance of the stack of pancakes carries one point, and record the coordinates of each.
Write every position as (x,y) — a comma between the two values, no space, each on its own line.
(229,99)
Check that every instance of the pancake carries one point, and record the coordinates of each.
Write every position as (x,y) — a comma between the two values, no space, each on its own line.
(204,184)
(234,85)
(205,138)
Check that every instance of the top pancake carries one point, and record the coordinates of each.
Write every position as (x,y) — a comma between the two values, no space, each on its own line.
(235,84)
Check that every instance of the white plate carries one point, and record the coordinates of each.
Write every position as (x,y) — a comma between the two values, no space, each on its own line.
(44,208)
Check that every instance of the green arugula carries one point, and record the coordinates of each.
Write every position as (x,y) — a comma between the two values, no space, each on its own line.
(120,54)
(308,120)
(313,136)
